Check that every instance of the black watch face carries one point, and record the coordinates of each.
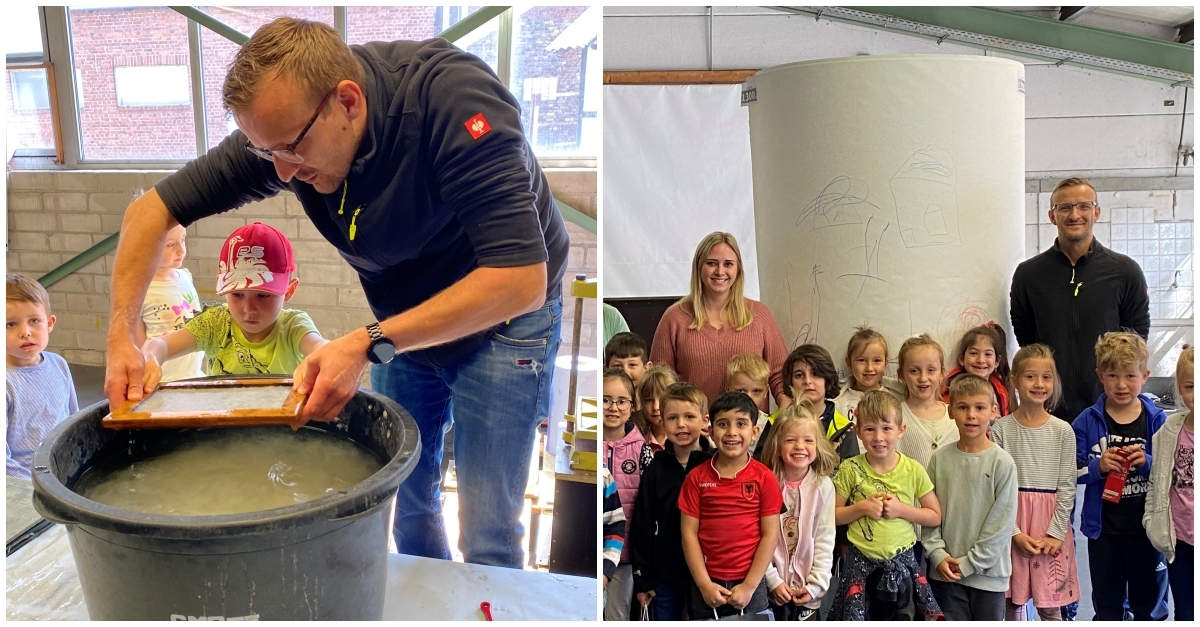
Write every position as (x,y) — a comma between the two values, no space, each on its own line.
(383,352)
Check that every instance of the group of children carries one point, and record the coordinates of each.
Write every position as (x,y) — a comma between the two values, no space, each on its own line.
(934,495)
(251,333)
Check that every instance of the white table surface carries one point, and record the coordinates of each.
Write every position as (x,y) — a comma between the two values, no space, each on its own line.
(41,583)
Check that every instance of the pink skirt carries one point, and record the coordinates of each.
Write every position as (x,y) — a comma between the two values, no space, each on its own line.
(1051,581)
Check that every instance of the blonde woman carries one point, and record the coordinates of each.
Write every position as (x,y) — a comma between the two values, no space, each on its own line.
(698,335)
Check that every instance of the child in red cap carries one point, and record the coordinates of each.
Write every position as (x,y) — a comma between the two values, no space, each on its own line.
(251,333)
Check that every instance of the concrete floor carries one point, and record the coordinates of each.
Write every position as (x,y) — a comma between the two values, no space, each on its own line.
(89,388)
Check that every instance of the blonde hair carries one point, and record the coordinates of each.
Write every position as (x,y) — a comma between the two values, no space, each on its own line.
(655,381)
(1117,349)
(912,344)
(863,337)
(22,289)
(737,310)
(1030,353)
(1070,182)
(792,418)
(687,393)
(879,406)
(972,385)
(749,364)
(1187,358)
(309,53)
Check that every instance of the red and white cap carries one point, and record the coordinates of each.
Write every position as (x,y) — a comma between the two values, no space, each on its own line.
(255,257)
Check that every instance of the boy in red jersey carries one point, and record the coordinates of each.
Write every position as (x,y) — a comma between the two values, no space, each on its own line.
(730,516)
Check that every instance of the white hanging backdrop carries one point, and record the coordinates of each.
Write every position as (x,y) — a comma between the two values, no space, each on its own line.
(888,191)
(676,168)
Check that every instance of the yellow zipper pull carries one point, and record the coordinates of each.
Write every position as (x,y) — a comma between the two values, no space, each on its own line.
(1077,288)
(353,226)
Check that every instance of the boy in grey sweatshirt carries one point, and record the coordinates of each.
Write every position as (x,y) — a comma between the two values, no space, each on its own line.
(976,483)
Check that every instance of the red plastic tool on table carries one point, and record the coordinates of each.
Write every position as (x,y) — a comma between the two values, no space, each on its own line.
(487,610)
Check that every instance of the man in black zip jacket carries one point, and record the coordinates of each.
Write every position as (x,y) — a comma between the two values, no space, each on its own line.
(409,158)
(1074,292)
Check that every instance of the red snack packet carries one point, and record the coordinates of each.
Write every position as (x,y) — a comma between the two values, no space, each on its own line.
(1115,483)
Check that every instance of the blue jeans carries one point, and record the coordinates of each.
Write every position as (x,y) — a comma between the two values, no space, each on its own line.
(496,397)
(1181,574)
(668,602)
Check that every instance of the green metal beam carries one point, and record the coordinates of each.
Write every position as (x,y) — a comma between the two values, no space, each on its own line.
(471,22)
(1052,33)
(213,24)
(108,244)
(571,214)
(97,251)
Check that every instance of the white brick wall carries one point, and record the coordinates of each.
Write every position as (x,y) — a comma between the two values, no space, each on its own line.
(53,216)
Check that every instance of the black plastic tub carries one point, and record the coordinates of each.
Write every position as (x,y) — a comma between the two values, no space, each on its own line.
(325,559)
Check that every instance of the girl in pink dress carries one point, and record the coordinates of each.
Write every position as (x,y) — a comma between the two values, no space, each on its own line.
(1043,447)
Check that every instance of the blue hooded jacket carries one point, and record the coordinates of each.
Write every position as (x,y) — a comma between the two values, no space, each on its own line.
(1091,438)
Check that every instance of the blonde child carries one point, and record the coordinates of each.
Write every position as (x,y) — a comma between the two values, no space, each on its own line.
(749,374)
(1170,508)
(801,457)
(866,362)
(1043,448)
(39,392)
(661,580)
(648,416)
(622,456)
(1119,429)
(171,300)
(881,494)
(982,352)
(930,426)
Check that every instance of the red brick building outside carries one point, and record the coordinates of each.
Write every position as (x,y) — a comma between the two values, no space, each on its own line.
(131,41)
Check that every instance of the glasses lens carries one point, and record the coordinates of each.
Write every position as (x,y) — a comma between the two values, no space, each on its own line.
(271,155)
(289,156)
(261,153)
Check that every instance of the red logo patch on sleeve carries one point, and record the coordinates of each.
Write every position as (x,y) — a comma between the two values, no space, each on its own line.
(478,126)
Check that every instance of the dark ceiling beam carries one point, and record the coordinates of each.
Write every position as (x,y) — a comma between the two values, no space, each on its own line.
(1158,53)
(1070,14)
(1185,32)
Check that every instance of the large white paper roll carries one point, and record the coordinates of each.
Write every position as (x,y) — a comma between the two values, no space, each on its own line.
(888,191)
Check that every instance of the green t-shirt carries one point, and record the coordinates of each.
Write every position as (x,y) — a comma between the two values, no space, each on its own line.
(227,351)
(856,480)
(614,323)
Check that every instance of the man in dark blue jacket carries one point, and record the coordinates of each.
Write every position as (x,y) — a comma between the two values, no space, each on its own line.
(410,159)
(1074,292)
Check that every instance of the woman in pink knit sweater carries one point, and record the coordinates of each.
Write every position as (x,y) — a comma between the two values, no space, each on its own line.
(699,334)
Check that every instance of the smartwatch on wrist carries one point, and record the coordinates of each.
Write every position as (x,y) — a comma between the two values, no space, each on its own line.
(381,350)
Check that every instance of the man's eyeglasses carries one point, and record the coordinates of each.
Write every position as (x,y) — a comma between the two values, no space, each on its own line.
(1066,207)
(288,153)
(620,403)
